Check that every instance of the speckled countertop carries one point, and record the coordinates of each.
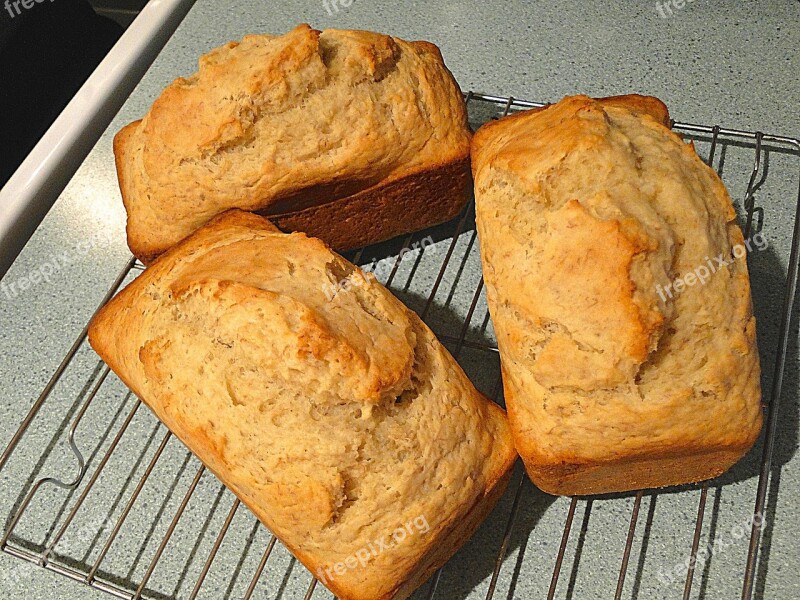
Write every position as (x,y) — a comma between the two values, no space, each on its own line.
(729,62)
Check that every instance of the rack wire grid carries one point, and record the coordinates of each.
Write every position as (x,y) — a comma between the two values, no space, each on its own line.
(138,496)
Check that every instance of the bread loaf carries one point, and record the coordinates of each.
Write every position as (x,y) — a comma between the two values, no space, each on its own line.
(350,136)
(321,401)
(622,370)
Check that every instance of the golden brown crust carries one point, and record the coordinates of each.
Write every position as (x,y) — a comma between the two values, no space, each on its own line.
(588,212)
(635,103)
(121,141)
(298,122)
(639,105)
(322,402)
(631,473)
(576,476)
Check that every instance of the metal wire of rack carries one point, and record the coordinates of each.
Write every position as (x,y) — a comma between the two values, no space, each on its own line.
(47,553)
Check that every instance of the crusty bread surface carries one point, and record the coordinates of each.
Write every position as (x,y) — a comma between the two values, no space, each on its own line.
(351,136)
(588,212)
(322,402)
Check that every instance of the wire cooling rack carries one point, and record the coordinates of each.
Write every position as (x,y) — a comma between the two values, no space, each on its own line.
(115,522)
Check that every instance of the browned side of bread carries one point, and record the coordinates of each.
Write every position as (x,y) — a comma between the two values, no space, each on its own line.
(588,212)
(122,141)
(352,136)
(322,402)
(385,210)
(577,476)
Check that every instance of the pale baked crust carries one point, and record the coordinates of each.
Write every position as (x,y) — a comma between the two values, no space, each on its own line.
(328,131)
(586,211)
(321,401)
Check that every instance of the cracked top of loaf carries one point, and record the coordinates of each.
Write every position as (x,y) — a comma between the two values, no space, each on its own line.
(324,403)
(270,116)
(589,211)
